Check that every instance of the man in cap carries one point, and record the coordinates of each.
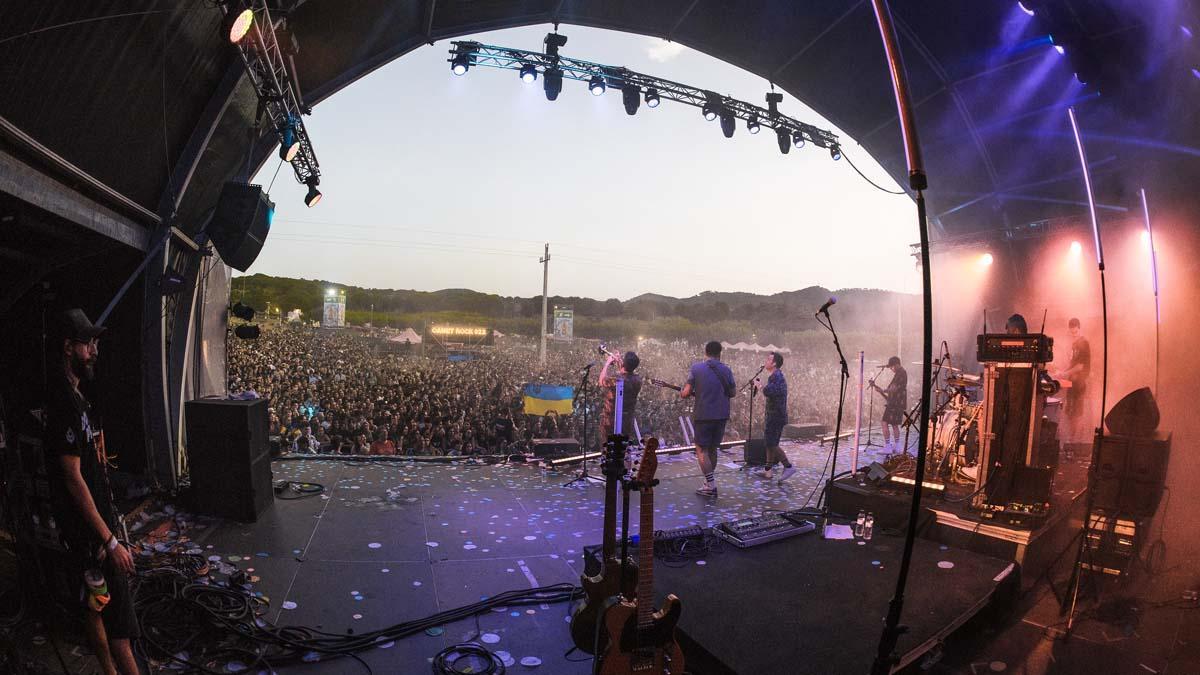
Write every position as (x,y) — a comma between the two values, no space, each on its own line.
(77,469)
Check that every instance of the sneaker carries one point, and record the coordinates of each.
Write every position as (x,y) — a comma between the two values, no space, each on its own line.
(764,474)
(788,472)
(707,490)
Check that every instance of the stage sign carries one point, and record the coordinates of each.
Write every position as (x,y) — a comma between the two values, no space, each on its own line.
(564,323)
(335,309)
(471,335)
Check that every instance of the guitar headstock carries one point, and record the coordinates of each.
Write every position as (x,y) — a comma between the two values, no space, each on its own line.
(649,462)
(613,464)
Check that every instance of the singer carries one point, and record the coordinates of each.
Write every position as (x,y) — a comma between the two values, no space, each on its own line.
(608,384)
(776,417)
(711,382)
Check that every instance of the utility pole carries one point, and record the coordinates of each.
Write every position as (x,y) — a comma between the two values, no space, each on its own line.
(545,288)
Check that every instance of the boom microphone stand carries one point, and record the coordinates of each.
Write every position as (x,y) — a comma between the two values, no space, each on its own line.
(584,476)
(885,656)
(823,502)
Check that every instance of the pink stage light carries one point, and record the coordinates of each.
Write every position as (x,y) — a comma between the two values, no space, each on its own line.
(1076,249)
(986,259)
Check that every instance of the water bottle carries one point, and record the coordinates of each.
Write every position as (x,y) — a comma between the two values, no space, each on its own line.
(858,523)
(97,589)
(868,527)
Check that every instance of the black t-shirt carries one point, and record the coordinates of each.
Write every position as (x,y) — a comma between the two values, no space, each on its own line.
(633,386)
(897,390)
(69,431)
(1081,355)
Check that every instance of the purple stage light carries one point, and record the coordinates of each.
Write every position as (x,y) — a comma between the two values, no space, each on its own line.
(1196,73)
(1187,32)
(1025,9)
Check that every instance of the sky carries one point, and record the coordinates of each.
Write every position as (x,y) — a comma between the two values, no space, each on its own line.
(434,181)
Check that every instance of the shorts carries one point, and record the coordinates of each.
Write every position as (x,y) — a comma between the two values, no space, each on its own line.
(120,621)
(772,432)
(893,415)
(709,433)
(1075,400)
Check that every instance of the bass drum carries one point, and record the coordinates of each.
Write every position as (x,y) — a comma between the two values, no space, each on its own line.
(955,441)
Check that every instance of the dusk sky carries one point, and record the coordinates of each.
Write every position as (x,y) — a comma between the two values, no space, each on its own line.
(434,181)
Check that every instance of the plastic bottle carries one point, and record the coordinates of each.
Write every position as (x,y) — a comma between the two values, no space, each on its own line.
(97,589)
(868,526)
(858,523)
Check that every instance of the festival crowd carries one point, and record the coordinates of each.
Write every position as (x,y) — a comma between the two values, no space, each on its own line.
(343,392)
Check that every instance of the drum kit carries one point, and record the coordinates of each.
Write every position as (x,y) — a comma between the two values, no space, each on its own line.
(954,427)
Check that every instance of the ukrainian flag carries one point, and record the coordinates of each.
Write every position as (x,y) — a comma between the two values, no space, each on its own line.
(540,399)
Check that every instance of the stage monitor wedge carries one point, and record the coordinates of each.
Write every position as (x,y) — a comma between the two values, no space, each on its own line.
(240,224)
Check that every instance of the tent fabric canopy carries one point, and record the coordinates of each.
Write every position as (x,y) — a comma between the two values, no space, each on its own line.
(406,335)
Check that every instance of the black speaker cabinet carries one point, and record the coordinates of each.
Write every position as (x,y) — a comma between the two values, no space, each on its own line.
(229,460)
(240,223)
(1134,415)
(1129,474)
(755,452)
(554,448)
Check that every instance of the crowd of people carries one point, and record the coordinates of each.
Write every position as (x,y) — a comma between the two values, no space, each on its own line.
(342,392)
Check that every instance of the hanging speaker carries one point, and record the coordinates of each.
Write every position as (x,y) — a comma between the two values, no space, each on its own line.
(240,223)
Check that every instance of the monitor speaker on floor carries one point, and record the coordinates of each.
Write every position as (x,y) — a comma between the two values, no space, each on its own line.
(755,452)
(229,459)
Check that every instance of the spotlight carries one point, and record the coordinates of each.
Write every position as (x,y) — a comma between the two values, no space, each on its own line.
(243,312)
(1076,248)
(1057,47)
(314,195)
(651,98)
(631,96)
(289,145)
(784,138)
(552,83)
(798,139)
(728,123)
(528,73)
(1196,73)
(986,259)
(553,41)
(1145,238)
(752,125)
(460,64)
(835,152)
(238,23)
(1025,9)
(596,85)
(710,112)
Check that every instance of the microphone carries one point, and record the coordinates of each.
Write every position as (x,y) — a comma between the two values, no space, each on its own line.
(828,303)
(587,367)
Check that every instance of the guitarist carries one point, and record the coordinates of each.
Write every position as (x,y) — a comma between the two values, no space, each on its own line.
(895,403)
(711,382)
(608,384)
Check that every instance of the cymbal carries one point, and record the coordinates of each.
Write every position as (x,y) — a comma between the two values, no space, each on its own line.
(964,382)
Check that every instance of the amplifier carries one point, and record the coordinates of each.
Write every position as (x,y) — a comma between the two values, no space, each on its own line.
(754,531)
(692,532)
(555,447)
(1005,348)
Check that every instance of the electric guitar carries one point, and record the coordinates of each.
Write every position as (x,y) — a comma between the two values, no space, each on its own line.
(641,639)
(666,385)
(614,578)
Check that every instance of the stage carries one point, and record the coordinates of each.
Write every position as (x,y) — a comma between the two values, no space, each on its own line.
(395,541)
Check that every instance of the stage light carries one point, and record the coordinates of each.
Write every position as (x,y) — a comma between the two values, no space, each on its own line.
(552,83)
(798,139)
(528,73)
(709,111)
(1196,73)
(460,64)
(314,195)
(289,145)
(239,24)
(752,125)
(1025,9)
(1057,47)
(1146,238)
(553,41)
(596,85)
(784,139)
(651,98)
(631,96)
(1076,249)
(835,152)
(986,259)
(728,123)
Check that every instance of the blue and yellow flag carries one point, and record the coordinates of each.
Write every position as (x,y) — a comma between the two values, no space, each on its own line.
(540,399)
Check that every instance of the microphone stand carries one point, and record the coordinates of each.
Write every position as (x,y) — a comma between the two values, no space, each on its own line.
(823,502)
(583,476)
(750,430)
(885,655)
(871,408)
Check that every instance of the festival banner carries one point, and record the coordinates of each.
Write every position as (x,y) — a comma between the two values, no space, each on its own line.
(540,399)
(564,323)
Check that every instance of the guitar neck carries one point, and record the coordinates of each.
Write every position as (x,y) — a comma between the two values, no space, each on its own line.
(609,542)
(667,385)
(645,584)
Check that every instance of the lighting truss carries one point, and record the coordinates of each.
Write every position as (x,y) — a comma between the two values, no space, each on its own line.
(619,78)
(990,238)
(277,92)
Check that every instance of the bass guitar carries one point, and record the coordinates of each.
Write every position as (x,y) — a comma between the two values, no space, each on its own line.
(614,578)
(641,639)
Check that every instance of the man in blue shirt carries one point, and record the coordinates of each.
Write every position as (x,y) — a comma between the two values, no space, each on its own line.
(776,417)
(711,383)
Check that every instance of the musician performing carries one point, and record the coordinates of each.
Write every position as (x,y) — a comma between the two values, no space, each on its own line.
(1077,372)
(711,383)
(895,402)
(632,387)
(776,418)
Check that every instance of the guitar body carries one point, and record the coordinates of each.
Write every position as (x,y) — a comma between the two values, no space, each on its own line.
(647,649)
(597,591)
